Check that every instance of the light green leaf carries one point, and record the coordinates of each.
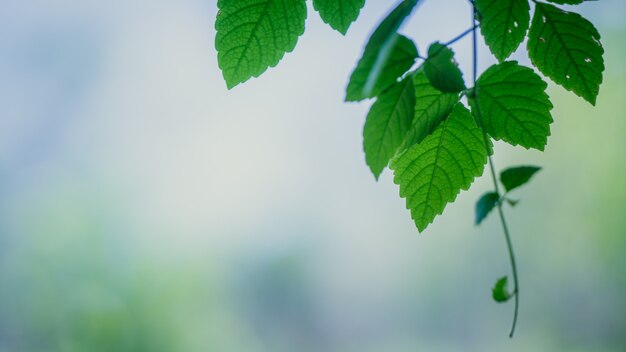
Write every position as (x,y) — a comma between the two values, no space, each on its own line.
(376,70)
(503,24)
(339,14)
(566,47)
(431,107)
(387,123)
(500,292)
(403,55)
(253,35)
(511,103)
(432,173)
(515,177)
(485,205)
(441,69)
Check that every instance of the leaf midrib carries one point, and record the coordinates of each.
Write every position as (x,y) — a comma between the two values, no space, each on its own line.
(550,22)
(252,35)
(394,110)
(509,113)
(435,162)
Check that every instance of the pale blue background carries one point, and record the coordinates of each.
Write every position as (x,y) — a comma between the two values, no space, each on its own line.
(143,207)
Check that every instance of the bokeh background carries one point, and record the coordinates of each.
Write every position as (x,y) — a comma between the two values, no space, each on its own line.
(143,207)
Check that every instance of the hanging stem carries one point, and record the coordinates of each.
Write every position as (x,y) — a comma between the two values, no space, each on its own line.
(505,228)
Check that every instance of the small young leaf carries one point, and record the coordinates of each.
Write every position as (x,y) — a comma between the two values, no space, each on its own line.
(566,47)
(386,57)
(253,35)
(485,205)
(387,123)
(500,292)
(515,177)
(403,55)
(503,24)
(441,69)
(339,14)
(432,173)
(512,202)
(431,107)
(511,103)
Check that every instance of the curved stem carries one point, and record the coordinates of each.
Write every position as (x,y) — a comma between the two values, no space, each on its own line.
(505,228)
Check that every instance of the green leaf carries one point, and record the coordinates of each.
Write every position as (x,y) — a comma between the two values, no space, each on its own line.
(511,103)
(403,55)
(441,69)
(485,205)
(503,24)
(515,177)
(253,35)
(500,291)
(431,107)
(512,202)
(387,123)
(339,14)
(432,173)
(566,47)
(380,65)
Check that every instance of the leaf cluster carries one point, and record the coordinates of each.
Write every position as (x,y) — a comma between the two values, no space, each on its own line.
(418,124)
(431,127)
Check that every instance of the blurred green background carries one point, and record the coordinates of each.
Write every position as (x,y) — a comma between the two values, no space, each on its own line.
(145,208)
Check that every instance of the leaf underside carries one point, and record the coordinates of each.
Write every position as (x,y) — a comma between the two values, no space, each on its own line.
(566,47)
(339,14)
(515,177)
(387,123)
(253,35)
(512,105)
(485,205)
(432,173)
(403,55)
(441,69)
(503,24)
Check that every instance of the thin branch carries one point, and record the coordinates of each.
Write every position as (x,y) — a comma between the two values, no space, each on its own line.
(460,36)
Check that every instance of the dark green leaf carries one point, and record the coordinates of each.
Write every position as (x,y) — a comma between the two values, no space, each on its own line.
(515,177)
(485,205)
(393,21)
(253,35)
(503,24)
(431,107)
(512,105)
(441,69)
(566,47)
(403,55)
(432,173)
(386,56)
(500,291)
(387,123)
(339,14)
